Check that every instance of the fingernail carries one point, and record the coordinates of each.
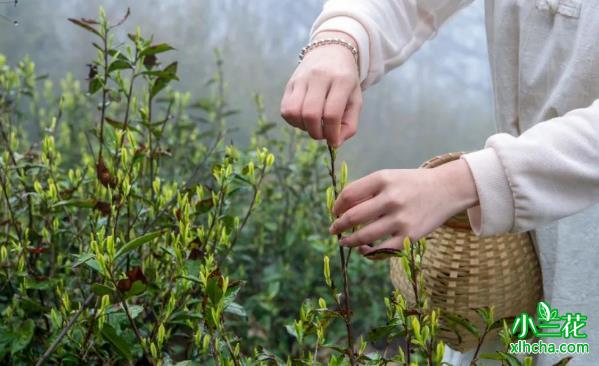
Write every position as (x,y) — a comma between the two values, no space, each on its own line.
(332,229)
(343,242)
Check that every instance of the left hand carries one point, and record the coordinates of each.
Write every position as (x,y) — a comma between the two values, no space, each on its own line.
(400,203)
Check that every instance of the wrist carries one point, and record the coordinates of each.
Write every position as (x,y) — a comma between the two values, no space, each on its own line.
(457,181)
(322,35)
(335,34)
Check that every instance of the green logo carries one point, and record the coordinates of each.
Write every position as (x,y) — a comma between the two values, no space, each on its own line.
(549,324)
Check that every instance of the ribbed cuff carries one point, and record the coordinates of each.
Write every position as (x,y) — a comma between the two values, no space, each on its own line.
(354,29)
(495,213)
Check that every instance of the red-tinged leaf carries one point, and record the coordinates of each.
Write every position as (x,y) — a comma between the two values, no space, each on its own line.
(123,20)
(89,21)
(123,285)
(85,26)
(103,207)
(103,175)
(36,250)
(93,71)
(150,61)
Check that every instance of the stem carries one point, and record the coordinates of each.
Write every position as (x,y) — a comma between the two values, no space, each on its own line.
(236,361)
(64,331)
(104,92)
(344,263)
(478,347)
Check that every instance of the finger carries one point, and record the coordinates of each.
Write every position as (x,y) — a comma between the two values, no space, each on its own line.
(360,214)
(334,109)
(358,191)
(313,107)
(291,104)
(389,248)
(349,122)
(371,232)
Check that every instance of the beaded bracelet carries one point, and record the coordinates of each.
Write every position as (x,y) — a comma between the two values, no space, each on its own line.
(328,41)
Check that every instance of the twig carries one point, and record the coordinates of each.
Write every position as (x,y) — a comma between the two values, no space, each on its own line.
(64,331)
(478,347)
(344,262)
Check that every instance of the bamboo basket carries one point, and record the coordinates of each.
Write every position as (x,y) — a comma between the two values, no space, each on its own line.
(462,271)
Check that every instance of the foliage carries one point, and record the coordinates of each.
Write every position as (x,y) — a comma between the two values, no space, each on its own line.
(133,233)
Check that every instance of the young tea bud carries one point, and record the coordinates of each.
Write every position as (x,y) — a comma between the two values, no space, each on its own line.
(343,175)
(438,355)
(327,271)
(407,245)
(156,185)
(330,200)
(3,253)
(270,160)
(206,343)
(153,350)
(161,334)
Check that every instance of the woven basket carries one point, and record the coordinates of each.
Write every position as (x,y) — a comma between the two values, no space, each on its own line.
(462,271)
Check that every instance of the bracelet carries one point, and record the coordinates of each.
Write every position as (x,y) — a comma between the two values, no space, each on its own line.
(328,41)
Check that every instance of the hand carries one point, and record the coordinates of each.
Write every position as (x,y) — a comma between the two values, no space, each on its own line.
(323,95)
(400,203)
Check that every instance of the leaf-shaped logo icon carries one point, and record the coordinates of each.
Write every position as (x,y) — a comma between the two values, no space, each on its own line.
(543,311)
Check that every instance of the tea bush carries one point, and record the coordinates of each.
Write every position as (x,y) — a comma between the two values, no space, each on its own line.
(131,232)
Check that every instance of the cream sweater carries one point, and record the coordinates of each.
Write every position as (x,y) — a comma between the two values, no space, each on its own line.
(544,164)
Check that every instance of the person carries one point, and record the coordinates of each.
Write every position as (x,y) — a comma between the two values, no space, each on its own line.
(537,173)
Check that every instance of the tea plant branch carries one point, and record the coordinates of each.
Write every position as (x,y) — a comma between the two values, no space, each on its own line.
(88,333)
(64,331)
(129,97)
(235,358)
(346,294)
(128,314)
(8,204)
(104,37)
(248,213)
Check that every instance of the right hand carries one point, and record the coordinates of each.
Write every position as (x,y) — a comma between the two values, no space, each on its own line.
(323,96)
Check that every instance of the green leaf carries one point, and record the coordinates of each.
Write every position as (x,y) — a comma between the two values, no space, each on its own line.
(510,359)
(22,336)
(120,125)
(110,334)
(81,203)
(168,74)
(89,260)
(564,361)
(487,315)
(95,84)
(379,333)
(236,309)
(265,128)
(464,323)
(137,242)
(134,311)
(137,288)
(491,356)
(156,49)
(119,64)
(214,291)
(100,289)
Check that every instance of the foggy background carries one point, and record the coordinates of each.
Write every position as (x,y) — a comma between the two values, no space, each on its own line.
(439,101)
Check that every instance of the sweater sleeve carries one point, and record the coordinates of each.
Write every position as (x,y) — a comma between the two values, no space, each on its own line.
(387,32)
(549,172)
